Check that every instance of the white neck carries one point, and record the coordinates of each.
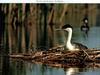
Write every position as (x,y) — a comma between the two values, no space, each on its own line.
(68,43)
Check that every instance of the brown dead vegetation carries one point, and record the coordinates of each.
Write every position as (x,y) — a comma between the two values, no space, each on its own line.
(62,58)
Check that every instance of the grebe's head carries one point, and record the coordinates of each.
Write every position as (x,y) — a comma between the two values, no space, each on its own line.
(67,27)
(85,20)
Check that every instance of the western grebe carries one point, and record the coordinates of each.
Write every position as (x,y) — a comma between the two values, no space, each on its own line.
(85,26)
(72,46)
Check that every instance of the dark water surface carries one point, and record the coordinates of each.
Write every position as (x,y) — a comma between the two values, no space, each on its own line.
(19,67)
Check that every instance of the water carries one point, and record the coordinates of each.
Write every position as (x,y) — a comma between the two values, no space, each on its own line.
(19,67)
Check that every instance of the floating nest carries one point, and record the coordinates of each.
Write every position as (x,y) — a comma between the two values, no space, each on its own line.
(61,58)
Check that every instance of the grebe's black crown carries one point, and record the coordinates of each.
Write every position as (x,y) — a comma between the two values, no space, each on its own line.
(66,26)
(85,19)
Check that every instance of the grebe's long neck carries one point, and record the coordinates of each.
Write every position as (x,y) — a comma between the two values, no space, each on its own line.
(68,43)
(69,35)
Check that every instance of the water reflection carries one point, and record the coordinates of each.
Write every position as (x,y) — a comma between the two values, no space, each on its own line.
(25,68)
(5,65)
(72,71)
(82,71)
(19,67)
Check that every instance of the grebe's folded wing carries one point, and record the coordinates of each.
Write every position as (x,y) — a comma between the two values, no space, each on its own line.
(79,46)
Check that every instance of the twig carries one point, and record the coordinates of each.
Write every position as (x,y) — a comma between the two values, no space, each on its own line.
(86,54)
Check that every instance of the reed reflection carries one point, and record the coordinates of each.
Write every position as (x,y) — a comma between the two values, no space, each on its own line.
(5,66)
